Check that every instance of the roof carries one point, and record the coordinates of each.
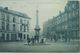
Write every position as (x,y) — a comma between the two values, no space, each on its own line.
(14,12)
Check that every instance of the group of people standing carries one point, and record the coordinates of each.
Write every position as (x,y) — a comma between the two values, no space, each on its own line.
(34,39)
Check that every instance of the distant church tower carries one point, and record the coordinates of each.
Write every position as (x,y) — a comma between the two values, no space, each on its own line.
(37,28)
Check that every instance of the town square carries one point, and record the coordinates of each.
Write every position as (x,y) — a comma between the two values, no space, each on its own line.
(39,26)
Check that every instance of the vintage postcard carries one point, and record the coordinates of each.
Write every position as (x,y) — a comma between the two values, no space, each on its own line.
(39,26)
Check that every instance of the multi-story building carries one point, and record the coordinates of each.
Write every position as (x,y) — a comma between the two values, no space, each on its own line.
(72,10)
(66,24)
(47,27)
(13,25)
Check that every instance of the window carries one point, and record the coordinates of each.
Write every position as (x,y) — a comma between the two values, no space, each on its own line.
(20,27)
(3,25)
(13,27)
(24,28)
(77,12)
(73,6)
(8,18)
(24,36)
(77,4)
(69,8)
(7,26)
(7,37)
(27,28)
(3,35)
(3,16)
(13,19)
(27,21)
(20,20)
(69,15)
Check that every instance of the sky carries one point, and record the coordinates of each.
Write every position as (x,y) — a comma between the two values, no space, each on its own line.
(47,9)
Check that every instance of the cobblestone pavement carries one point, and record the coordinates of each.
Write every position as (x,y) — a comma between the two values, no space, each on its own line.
(50,46)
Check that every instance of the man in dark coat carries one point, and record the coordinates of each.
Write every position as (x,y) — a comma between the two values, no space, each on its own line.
(28,39)
(55,38)
(32,39)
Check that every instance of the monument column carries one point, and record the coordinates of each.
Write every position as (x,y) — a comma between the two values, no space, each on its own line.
(37,28)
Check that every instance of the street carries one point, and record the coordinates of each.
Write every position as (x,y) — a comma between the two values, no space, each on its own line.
(20,47)
(39,26)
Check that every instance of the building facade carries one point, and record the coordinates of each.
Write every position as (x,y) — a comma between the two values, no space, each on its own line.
(66,24)
(13,25)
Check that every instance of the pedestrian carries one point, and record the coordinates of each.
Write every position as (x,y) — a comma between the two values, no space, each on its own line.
(42,40)
(28,39)
(55,38)
(32,39)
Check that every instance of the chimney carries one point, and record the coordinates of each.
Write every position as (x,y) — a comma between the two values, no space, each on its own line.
(6,8)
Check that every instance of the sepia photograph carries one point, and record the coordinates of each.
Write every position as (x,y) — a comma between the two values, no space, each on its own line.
(40,26)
